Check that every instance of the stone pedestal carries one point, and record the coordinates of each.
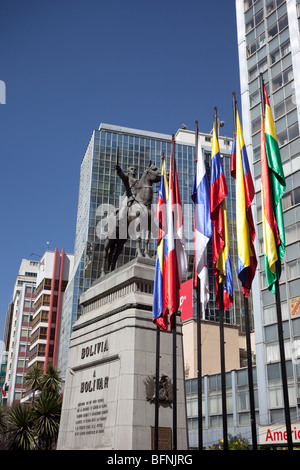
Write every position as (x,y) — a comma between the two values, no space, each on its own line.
(107,397)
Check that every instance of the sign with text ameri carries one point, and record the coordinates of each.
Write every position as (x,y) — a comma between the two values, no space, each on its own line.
(276,435)
(295,306)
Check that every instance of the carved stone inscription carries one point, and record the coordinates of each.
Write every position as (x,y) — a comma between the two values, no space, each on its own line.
(90,417)
(92,409)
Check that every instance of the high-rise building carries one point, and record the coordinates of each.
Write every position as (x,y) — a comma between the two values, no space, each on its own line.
(51,282)
(18,331)
(269,43)
(101,190)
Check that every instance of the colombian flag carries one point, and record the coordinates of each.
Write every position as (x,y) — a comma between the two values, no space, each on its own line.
(218,214)
(240,170)
(159,313)
(272,188)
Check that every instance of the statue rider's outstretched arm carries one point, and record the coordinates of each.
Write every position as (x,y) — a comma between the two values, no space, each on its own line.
(122,175)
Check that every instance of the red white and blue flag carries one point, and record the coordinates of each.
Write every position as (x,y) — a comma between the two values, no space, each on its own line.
(172,264)
(160,314)
(203,227)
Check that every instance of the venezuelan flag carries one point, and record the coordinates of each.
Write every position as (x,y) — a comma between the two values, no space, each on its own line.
(273,187)
(240,170)
(218,214)
(159,312)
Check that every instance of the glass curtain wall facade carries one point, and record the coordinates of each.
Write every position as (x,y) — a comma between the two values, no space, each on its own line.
(100,186)
(268,43)
(237,402)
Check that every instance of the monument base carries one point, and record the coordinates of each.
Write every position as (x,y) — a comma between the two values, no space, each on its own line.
(109,386)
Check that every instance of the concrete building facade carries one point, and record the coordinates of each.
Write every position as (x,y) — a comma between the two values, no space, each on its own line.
(269,43)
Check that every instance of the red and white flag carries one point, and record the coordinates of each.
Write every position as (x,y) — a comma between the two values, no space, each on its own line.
(175,264)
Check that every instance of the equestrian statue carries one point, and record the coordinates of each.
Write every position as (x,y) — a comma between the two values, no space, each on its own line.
(133,218)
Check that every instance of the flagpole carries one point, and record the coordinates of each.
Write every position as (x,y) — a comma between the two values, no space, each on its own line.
(280,329)
(248,340)
(222,346)
(157,388)
(199,356)
(174,327)
(283,366)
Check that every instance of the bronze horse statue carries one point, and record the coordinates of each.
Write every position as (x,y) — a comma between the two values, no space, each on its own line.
(134,216)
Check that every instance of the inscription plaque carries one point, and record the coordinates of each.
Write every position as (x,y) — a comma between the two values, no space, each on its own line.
(90,417)
(164,438)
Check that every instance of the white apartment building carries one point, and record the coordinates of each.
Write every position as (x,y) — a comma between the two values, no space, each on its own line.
(19,340)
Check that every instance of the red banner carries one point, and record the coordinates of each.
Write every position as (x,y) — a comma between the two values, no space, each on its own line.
(186,300)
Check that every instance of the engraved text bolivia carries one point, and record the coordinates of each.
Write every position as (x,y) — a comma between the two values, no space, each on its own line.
(95,383)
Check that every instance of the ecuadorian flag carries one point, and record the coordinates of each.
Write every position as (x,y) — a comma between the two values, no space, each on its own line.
(159,313)
(240,170)
(218,214)
(273,187)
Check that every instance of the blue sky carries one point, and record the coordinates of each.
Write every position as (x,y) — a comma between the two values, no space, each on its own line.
(70,65)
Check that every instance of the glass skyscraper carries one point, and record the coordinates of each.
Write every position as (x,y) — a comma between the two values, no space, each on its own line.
(100,185)
(268,43)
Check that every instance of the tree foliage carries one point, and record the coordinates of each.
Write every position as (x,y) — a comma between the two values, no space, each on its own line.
(34,425)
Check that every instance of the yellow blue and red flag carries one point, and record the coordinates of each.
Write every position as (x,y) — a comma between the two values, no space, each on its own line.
(240,171)
(218,214)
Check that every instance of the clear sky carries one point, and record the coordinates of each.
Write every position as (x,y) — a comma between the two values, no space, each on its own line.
(70,65)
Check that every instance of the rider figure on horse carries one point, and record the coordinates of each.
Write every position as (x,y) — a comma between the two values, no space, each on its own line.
(130,181)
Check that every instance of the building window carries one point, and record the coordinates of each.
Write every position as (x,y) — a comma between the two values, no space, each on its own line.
(256,44)
(248,4)
(291,198)
(280,52)
(282,78)
(272,4)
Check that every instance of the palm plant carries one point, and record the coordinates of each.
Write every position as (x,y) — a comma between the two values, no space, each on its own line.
(2,427)
(2,419)
(33,379)
(46,415)
(36,426)
(51,381)
(20,433)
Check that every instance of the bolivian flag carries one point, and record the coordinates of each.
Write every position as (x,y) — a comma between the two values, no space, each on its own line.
(272,188)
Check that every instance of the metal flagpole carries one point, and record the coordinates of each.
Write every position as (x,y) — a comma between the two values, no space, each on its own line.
(280,330)
(157,388)
(199,356)
(250,377)
(156,425)
(222,346)
(283,367)
(174,329)
(248,340)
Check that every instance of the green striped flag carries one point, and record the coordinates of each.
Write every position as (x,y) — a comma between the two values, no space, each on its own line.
(276,188)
